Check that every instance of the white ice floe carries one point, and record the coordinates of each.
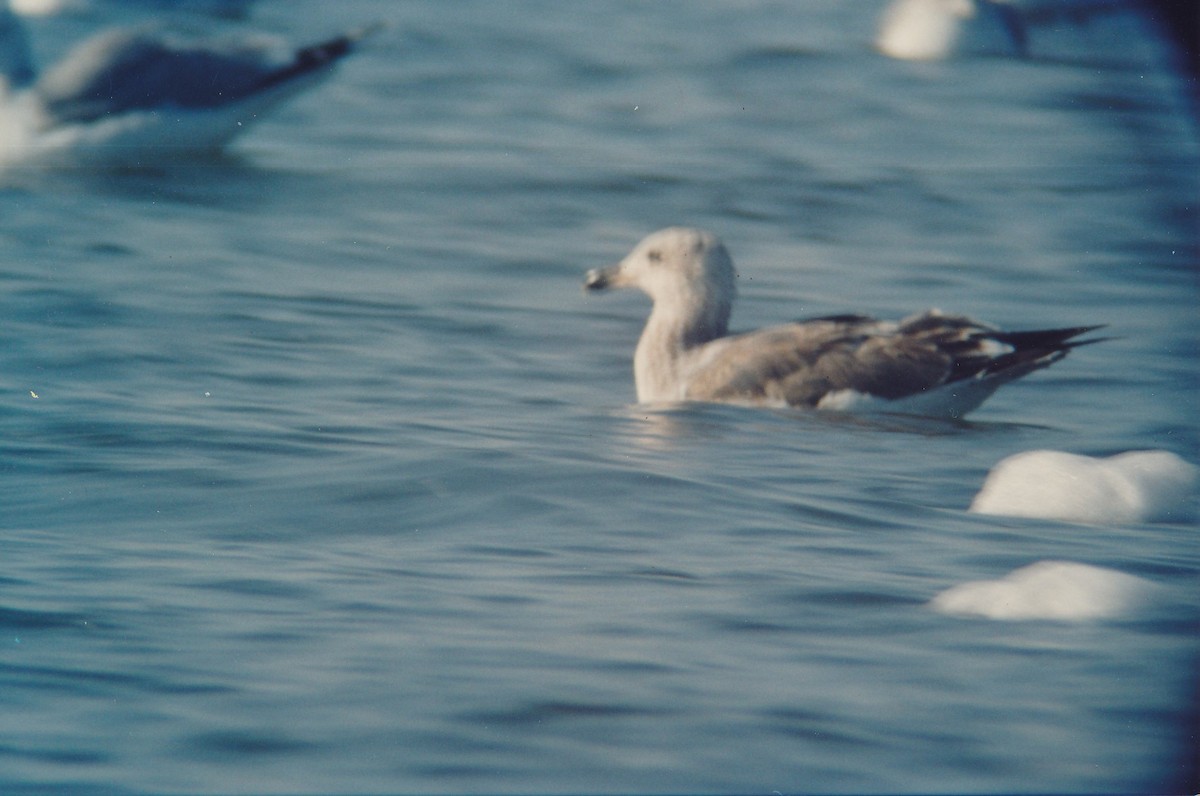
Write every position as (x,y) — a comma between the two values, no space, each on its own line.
(1141,486)
(131,96)
(928,364)
(1061,590)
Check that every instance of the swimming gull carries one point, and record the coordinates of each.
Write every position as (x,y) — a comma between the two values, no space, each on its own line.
(922,30)
(926,30)
(133,94)
(928,364)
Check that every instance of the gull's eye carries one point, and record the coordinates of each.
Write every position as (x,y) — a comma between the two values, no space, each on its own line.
(654,256)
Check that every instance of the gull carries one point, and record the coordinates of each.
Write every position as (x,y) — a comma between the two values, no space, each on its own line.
(133,94)
(923,30)
(928,30)
(926,364)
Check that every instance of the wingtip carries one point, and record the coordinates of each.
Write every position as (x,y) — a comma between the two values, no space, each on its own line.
(1071,341)
(332,50)
(1063,337)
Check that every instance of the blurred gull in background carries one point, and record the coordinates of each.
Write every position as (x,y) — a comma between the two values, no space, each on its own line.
(130,96)
(932,30)
(923,30)
(926,30)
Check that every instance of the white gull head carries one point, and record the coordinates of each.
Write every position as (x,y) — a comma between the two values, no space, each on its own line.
(689,275)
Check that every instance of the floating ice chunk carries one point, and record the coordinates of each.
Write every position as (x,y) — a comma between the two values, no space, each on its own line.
(1141,486)
(1048,590)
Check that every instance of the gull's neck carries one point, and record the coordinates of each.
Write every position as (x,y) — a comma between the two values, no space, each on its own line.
(676,328)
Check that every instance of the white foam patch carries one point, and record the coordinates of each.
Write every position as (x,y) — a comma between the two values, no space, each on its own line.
(1059,590)
(1141,486)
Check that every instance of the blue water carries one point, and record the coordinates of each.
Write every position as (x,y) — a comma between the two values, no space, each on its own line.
(320,473)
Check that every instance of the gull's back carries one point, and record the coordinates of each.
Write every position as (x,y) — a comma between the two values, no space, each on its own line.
(929,363)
